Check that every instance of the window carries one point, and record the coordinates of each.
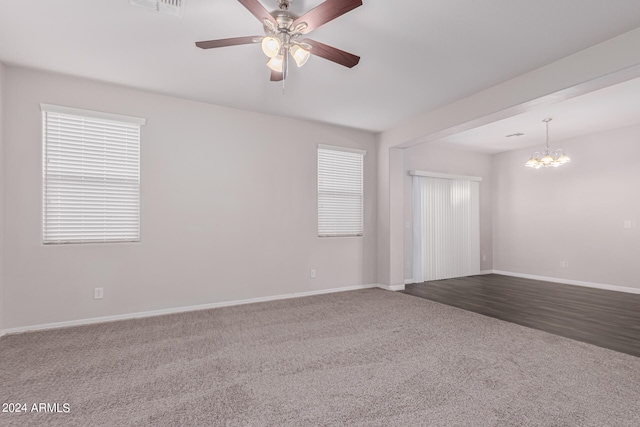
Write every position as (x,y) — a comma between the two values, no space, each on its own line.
(91,176)
(340,191)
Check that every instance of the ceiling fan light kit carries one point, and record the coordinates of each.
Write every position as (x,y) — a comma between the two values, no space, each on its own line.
(548,158)
(284,31)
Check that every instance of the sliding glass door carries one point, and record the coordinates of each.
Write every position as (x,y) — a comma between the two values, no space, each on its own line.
(446,227)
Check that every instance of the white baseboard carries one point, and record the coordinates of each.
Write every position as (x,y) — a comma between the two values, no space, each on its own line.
(410,281)
(391,287)
(570,282)
(137,315)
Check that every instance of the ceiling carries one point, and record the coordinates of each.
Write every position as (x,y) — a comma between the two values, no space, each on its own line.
(610,108)
(416,55)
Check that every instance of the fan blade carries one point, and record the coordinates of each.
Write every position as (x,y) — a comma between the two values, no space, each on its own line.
(210,44)
(325,12)
(258,10)
(332,54)
(276,76)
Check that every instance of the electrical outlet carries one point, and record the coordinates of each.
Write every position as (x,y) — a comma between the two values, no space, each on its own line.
(564,264)
(484,257)
(630,223)
(98,293)
(313,274)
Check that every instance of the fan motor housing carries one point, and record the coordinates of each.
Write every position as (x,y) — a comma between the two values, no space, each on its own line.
(284,19)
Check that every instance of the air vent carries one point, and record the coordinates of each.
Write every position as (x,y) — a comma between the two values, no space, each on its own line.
(170,7)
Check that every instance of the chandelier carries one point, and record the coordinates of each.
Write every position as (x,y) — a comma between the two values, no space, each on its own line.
(548,158)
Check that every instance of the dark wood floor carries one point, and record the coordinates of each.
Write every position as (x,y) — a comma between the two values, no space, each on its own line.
(605,318)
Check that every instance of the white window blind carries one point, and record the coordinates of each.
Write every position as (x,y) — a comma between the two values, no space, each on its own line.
(91,176)
(446,227)
(340,191)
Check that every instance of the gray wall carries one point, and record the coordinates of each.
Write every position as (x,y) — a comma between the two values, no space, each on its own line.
(432,158)
(2,171)
(382,243)
(229,209)
(574,213)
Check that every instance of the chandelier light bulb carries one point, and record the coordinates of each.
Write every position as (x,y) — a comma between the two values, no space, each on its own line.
(300,55)
(564,159)
(547,159)
(532,162)
(271,46)
(275,63)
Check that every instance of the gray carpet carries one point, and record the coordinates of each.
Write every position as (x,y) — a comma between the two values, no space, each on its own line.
(363,358)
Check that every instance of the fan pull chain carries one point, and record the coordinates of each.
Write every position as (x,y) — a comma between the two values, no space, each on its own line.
(285,68)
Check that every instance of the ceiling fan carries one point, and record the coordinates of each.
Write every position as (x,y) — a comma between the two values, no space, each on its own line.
(284,33)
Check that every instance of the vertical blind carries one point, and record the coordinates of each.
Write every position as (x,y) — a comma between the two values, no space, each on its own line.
(91,176)
(340,191)
(446,228)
